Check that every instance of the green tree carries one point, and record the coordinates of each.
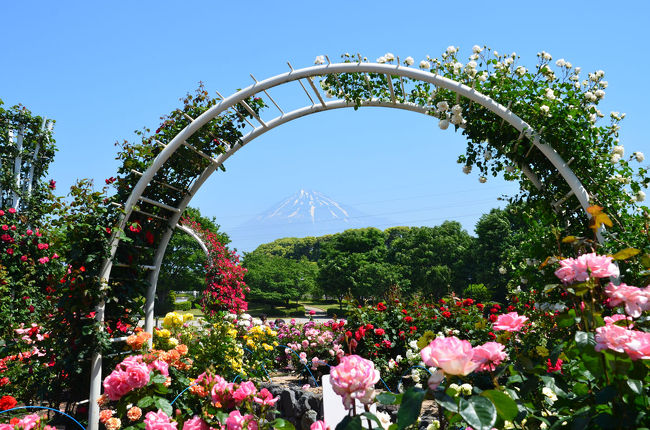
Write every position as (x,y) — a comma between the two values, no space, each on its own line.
(274,279)
(434,259)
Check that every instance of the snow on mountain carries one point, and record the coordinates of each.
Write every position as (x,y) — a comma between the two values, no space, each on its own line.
(305,213)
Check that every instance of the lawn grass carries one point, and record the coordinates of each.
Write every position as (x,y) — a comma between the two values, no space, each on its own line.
(323,304)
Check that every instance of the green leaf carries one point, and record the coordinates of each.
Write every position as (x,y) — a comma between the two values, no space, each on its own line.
(567,319)
(158,379)
(386,398)
(145,402)
(409,410)
(606,394)
(372,417)
(446,401)
(350,423)
(281,424)
(164,405)
(506,407)
(635,385)
(478,412)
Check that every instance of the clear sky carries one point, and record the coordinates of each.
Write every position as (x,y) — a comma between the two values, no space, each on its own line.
(104,69)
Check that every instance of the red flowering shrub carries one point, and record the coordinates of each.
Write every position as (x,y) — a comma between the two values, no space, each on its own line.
(225,290)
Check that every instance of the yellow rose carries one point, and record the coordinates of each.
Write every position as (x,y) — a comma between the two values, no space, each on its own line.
(188,317)
(164,333)
(173,341)
(267,347)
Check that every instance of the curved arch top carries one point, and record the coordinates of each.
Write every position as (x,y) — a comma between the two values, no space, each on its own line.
(258,87)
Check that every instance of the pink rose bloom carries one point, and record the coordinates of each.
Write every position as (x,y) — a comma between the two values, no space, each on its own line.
(195,423)
(489,356)
(510,322)
(319,425)
(246,389)
(618,317)
(452,355)
(6,427)
(158,421)
(636,299)
(585,266)
(435,379)
(265,398)
(222,391)
(160,366)
(236,421)
(116,384)
(612,337)
(29,422)
(638,347)
(138,375)
(354,378)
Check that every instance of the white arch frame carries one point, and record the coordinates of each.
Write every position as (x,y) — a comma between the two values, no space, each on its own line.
(297,75)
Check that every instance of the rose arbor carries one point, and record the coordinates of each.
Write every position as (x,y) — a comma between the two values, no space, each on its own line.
(529,124)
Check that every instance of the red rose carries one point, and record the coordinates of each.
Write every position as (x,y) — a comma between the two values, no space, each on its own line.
(493,318)
(492,335)
(7,402)
(381,307)
(408,320)
(386,343)
(446,314)
(405,312)
(379,331)
(480,306)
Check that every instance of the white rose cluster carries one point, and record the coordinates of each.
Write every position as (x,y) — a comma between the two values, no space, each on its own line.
(639,156)
(319,60)
(409,61)
(640,196)
(424,64)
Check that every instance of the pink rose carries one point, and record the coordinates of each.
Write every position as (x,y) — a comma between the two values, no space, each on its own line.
(158,421)
(585,266)
(618,317)
(489,356)
(29,422)
(160,366)
(510,322)
(452,355)
(116,384)
(246,389)
(635,344)
(319,425)
(222,391)
(636,299)
(195,423)
(236,421)
(265,398)
(138,375)
(354,378)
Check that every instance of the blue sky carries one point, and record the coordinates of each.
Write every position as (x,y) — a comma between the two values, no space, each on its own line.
(105,69)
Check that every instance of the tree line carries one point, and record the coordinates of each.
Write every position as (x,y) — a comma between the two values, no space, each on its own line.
(368,263)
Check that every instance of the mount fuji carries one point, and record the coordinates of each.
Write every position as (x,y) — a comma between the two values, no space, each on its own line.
(305,213)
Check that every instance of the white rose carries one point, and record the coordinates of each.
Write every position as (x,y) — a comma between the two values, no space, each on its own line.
(560,62)
(389,56)
(600,94)
(521,70)
(546,56)
(482,179)
(456,110)
(443,124)
(320,60)
(472,64)
(639,156)
(457,66)
(483,77)
(604,84)
(550,94)
(425,64)
(399,358)
(502,270)
(409,61)
(473,57)
(435,425)
(545,109)
(451,49)
(466,389)
(442,106)
(467,169)
(640,196)
(549,393)
(476,49)
(381,60)
(457,119)
(615,158)
(619,149)
(600,74)
(384,419)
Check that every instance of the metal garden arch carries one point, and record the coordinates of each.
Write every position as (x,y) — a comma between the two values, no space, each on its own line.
(318,104)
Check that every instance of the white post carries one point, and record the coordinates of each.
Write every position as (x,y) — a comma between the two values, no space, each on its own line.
(17,165)
(95,379)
